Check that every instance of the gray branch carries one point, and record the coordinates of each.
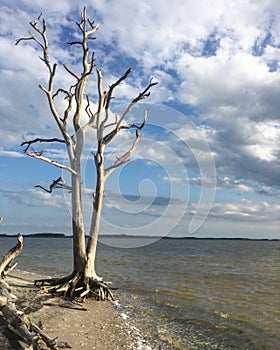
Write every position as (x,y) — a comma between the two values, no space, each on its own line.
(29,143)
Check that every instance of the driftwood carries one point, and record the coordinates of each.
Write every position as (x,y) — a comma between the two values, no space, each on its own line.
(20,324)
(5,265)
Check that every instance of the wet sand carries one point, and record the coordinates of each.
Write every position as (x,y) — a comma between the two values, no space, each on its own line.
(91,325)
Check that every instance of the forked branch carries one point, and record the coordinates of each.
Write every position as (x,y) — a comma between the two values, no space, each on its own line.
(88,65)
(142,95)
(145,93)
(43,44)
(32,37)
(58,183)
(126,156)
(83,25)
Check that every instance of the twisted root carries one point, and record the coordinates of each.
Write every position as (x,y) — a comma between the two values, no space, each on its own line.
(76,286)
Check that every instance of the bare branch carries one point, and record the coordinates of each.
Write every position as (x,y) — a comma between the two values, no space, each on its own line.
(68,96)
(83,24)
(43,89)
(92,64)
(58,183)
(34,25)
(113,86)
(101,93)
(43,44)
(68,109)
(39,17)
(75,43)
(60,91)
(88,110)
(144,94)
(23,39)
(88,65)
(29,143)
(91,23)
(71,72)
(135,126)
(47,160)
(107,138)
(106,97)
(125,157)
(112,124)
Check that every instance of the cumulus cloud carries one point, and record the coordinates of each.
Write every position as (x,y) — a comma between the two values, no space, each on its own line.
(217,61)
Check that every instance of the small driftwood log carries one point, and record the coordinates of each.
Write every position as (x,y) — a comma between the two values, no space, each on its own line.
(5,265)
(17,322)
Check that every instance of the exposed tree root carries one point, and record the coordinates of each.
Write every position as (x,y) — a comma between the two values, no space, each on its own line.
(22,327)
(76,286)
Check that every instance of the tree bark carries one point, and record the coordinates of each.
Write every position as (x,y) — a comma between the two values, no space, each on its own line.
(96,214)
(79,247)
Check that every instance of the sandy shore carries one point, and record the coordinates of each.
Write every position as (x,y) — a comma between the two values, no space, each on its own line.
(91,325)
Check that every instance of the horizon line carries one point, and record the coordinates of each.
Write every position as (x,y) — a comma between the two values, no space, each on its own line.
(63,235)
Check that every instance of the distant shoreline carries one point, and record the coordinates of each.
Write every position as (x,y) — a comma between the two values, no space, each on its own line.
(123,236)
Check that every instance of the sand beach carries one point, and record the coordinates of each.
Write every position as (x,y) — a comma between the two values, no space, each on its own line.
(91,325)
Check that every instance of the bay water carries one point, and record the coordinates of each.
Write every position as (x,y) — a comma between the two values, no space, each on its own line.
(182,293)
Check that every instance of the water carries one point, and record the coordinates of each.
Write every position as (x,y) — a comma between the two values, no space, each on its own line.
(183,294)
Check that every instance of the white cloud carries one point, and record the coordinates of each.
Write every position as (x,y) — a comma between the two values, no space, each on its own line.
(244,85)
(39,197)
(246,210)
(266,145)
(221,183)
(220,59)
(12,154)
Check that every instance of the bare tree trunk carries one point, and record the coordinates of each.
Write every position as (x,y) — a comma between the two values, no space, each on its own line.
(79,246)
(96,215)
(79,249)
(94,231)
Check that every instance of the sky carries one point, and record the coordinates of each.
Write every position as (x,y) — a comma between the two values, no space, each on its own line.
(208,162)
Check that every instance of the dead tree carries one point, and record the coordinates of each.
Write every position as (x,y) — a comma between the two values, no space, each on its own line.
(83,281)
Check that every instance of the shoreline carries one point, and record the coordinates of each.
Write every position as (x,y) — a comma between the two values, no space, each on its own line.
(91,325)
(150,237)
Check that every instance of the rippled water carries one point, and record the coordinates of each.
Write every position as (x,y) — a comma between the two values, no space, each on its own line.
(184,294)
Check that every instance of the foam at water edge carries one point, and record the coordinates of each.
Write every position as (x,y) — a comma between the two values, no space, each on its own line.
(138,343)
